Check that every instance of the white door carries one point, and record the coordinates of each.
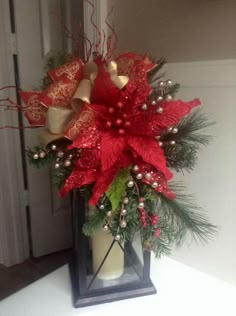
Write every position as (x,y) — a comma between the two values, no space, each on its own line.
(38,33)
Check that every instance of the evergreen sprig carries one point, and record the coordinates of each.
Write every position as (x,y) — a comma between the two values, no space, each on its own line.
(178,219)
(40,162)
(189,140)
(153,75)
(59,176)
(53,61)
(186,217)
(95,222)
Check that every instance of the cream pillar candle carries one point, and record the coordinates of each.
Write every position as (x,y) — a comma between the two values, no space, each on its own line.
(113,267)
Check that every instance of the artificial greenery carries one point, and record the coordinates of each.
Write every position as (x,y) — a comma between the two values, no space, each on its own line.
(118,187)
(189,140)
(178,219)
(51,62)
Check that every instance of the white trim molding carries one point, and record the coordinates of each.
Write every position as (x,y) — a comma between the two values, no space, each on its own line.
(13,228)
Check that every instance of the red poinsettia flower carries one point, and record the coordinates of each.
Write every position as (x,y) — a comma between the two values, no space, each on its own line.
(122,133)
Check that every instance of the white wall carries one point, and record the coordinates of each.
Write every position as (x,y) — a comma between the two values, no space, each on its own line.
(187,32)
(214,180)
(183,30)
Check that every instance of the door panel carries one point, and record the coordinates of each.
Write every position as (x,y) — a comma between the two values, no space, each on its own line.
(39,33)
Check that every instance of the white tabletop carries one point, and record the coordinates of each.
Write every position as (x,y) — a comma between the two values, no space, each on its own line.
(181,291)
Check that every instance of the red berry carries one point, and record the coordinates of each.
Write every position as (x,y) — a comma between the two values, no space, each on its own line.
(111,110)
(119,121)
(144,224)
(124,115)
(157,232)
(154,222)
(141,199)
(127,124)
(120,105)
(108,124)
(121,131)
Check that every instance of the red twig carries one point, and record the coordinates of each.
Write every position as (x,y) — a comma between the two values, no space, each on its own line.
(7,87)
(14,105)
(104,41)
(17,127)
(97,45)
(110,50)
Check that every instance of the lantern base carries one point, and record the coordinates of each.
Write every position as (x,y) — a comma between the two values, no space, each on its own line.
(107,295)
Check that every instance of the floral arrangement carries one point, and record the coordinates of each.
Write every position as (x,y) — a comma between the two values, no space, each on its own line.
(113,129)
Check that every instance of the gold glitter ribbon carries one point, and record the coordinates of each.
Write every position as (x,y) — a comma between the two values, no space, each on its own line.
(58,119)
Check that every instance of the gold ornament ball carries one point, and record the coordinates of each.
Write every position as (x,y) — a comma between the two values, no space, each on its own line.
(42,154)
(67,163)
(148,176)
(135,168)
(160,110)
(105,227)
(57,165)
(123,223)
(36,156)
(139,176)
(53,147)
(102,206)
(160,98)
(144,107)
(117,237)
(154,185)
(175,130)
(124,212)
(141,205)
(109,213)
(60,154)
(130,184)
(169,82)
(126,200)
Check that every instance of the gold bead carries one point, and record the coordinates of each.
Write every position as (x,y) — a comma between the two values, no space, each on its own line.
(123,223)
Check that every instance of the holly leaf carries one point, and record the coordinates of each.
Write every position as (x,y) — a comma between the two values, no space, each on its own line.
(117,188)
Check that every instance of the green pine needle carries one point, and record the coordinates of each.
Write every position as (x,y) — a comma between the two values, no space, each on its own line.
(189,140)
(186,217)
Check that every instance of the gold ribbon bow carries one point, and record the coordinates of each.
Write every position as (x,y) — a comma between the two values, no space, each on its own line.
(58,118)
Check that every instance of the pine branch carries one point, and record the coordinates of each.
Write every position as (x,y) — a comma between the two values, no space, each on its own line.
(52,62)
(185,217)
(39,162)
(95,223)
(153,75)
(181,157)
(59,176)
(191,129)
(189,140)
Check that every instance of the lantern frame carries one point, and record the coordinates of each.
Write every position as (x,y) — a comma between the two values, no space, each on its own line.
(83,295)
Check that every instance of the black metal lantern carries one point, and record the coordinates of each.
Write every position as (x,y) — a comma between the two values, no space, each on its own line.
(88,286)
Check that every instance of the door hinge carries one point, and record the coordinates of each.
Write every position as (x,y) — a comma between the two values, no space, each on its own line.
(26,198)
(12,43)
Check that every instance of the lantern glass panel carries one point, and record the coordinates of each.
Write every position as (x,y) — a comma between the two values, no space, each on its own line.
(116,263)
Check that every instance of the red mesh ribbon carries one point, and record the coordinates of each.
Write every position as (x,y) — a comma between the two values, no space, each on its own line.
(35,111)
